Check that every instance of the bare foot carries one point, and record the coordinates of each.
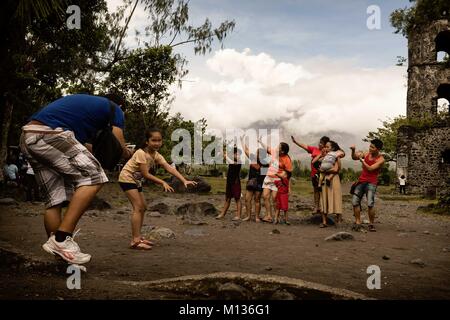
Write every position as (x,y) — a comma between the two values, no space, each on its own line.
(246,218)
(220,216)
(236,218)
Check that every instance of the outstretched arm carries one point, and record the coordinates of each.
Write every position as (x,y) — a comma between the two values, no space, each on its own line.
(356,155)
(269,150)
(247,153)
(378,164)
(146,174)
(173,171)
(118,133)
(301,145)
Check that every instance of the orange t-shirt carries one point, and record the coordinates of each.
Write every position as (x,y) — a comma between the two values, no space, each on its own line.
(284,163)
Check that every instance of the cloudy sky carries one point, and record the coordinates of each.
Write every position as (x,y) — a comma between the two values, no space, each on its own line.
(307,67)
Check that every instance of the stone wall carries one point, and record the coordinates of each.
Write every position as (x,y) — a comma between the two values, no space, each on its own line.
(425,74)
(427,173)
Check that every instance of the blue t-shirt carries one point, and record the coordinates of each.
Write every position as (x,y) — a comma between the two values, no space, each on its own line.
(81,113)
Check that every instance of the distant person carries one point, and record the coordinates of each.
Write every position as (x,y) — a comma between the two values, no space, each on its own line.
(371,162)
(134,172)
(402,182)
(55,143)
(280,161)
(31,187)
(314,151)
(11,172)
(233,185)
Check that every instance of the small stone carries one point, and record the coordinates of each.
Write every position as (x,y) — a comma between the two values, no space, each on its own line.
(155,214)
(402,234)
(339,236)
(366,222)
(268,268)
(386,257)
(275,231)
(418,262)
(426,232)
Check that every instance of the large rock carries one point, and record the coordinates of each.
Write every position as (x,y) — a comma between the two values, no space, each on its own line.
(339,236)
(201,187)
(160,207)
(197,209)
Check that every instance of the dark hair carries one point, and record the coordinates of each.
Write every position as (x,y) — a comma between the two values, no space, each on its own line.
(377,143)
(149,132)
(284,147)
(334,146)
(402,176)
(324,140)
(117,98)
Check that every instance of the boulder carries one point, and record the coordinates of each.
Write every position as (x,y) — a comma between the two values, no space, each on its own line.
(197,209)
(201,187)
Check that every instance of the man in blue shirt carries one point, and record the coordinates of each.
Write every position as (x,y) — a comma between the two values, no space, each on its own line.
(55,142)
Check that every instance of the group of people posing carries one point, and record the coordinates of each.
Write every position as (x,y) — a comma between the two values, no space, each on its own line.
(56,142)
(269,177)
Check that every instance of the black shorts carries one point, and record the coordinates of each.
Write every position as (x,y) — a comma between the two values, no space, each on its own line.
(129,186)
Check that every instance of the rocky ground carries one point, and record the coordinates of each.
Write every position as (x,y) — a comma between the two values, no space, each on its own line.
(411,248)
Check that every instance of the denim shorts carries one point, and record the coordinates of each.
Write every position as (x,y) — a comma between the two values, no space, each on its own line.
(362,189)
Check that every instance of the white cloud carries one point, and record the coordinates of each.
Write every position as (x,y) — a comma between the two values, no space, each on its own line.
(321,95)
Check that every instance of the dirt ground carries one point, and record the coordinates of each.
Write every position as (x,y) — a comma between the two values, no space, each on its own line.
(297,251)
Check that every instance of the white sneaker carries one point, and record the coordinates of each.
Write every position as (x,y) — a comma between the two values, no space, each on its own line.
(68,250)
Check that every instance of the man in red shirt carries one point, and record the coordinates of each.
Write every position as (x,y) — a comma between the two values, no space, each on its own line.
(314,151)
(372,162)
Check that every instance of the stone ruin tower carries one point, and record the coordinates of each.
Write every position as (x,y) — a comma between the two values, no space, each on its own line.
(424,151)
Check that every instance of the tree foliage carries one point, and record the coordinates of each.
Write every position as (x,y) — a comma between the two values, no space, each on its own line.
(422,12)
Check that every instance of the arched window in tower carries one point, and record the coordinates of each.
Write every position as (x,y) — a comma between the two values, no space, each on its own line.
(443,46)
(443,102)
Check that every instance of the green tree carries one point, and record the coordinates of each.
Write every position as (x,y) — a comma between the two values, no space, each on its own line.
(422,12)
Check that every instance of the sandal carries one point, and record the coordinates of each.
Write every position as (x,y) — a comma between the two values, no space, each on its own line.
(372,228)
(323,225)
(147,241)
(267,220)
(140,245)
